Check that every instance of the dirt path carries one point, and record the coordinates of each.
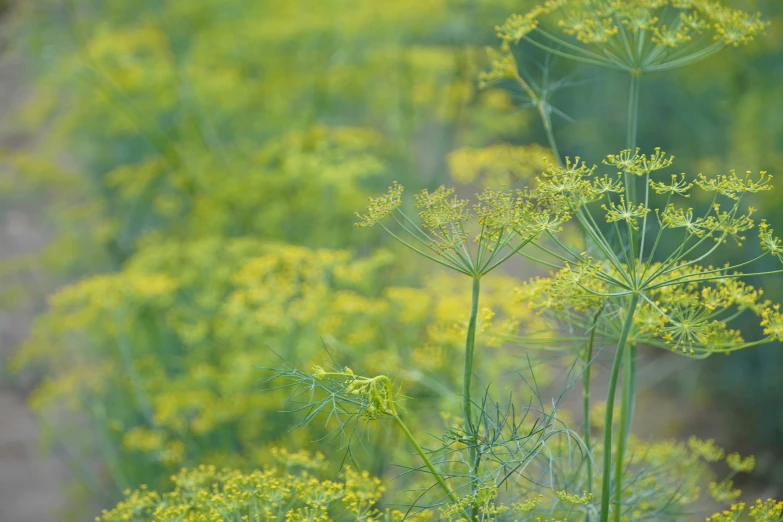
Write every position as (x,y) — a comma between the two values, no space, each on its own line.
(31,484)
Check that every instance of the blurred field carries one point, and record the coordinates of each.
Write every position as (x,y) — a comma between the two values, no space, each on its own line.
(178,182)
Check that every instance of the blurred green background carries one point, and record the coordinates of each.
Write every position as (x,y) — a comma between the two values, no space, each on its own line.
(192,169)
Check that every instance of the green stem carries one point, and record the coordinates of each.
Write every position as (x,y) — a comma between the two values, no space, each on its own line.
(626,416)
(470,345)
(606,485)
(630,397)
(600,63)
(546,119)
(631,133)
(426,459)
(586,405)
(629,362)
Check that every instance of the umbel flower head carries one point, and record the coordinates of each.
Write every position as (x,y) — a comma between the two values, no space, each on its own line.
(501,223)
(653,267)
(637,36)
(679,302)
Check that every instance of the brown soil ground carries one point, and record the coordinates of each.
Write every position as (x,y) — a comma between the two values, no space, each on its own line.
(31,484)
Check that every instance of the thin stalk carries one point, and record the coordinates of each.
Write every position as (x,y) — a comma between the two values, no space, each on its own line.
(640,48)
(600,63)
(687,60)
(418,251)
(677,280)
(646,264)
(586,405)
(644,225)
(470,345)
(543,111)
(628,178)
(606,485)
(680,252)
(562,245)
(628,397)
(592,230)
(627,401)
(625,250)
(631,134)
(624,37)
(555,254)
(465,254)
(506,257)
(601,294)
(494,251)
(721,276)
(550,136)
(481,250)
(718,242)
(611,56)
(567,45)
(597,236)
(426,244)
(426,459)
(722,349)
(540,261)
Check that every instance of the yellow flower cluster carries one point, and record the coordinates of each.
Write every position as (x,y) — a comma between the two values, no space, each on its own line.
(706,449)
(498,166)
(636,36)
(622,211)
(483,500)
(688,318)
(571,498)
(762,511)
(166,131)
(639,164)
(599,21)
(673,474)
(165,353)
(207,493)
(685,306)
(298,459)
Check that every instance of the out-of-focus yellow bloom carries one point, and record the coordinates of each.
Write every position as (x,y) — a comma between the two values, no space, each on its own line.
(208,493)
(169,347)
(498,165)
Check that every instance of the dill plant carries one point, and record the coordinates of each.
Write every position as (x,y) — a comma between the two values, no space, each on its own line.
(612,294)
(649,270)
(626,292)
